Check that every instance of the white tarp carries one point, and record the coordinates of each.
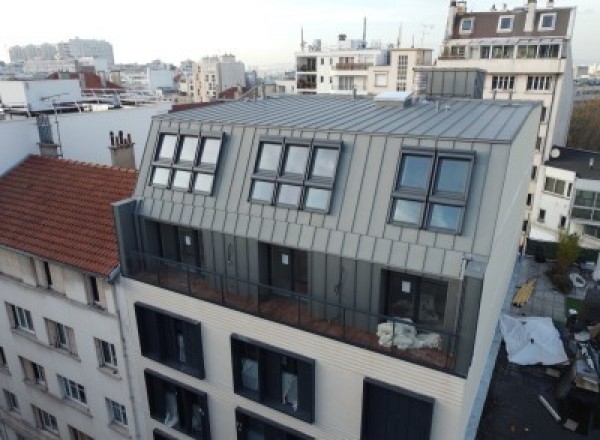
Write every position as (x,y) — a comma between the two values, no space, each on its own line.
(531,341)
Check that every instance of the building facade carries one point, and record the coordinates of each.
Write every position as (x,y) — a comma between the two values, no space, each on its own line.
(213,75)
(399,75)
(296,255)
(63,362)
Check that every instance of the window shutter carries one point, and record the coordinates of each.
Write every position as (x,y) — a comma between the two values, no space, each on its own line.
(72,342)
(10,310)
(52,335)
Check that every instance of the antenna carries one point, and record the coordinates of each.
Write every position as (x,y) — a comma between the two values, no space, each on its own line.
(364,31)
(399,40)
(302,42)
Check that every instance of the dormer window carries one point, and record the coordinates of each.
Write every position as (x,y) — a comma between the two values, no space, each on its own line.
(547,21)
(466,25)
(505,23)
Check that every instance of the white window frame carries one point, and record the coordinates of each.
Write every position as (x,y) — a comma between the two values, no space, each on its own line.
(547,28)
(504,83)
(539,83)
(512,23)
(117,412)
(72,390)
(466,31)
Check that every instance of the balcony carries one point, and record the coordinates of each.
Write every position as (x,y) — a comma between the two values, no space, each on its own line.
(309,67)
(306,85)
(379,333)
(352,66)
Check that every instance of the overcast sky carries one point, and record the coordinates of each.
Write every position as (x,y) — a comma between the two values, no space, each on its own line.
(260,32)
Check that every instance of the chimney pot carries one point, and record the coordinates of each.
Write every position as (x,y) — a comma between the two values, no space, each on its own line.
(112,139)
(128,138)
(121,137)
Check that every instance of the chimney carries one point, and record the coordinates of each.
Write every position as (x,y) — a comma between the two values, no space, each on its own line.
(451,19)
(122,154)
(530,17)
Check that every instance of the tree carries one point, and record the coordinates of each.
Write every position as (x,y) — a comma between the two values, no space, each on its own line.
(584,131)
(567,253)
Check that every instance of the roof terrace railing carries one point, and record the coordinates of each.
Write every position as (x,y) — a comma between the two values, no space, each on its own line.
(399,338)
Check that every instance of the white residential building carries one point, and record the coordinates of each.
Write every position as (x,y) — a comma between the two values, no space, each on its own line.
(399,74)
(213,75)
(63,363)
(526,52)
(339,69)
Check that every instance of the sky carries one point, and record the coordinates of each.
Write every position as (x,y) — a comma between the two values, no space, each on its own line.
(261,33)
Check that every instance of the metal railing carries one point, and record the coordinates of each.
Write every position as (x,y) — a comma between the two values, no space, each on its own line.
(352,66)
(303,311)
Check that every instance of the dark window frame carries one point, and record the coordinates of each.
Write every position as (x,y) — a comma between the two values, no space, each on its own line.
(369,382)
(305,180)
(267,355)
(157,349)
(241,414)
(428,196)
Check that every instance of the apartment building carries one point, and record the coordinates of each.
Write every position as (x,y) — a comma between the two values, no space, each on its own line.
(321,267)
(526,52)
(341,69)
(63,362)
(567,193)
(213,75)
(400,75)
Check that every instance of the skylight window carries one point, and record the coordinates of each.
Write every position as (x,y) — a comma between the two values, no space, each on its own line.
(295,174)
(160,177)
(187,152)
(166,147)
(203,183)
(547,21)
(431,189)
(505,23)
(210,151)
(182,180)
(466,25)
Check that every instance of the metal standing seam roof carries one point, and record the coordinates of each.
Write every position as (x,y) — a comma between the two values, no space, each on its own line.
(461,119)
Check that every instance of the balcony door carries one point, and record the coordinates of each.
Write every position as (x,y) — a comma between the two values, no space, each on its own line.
(289,269)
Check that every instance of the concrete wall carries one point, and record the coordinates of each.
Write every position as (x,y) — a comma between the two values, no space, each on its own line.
(17,140)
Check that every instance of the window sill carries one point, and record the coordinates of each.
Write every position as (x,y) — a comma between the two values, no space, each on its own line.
(110,372)
(27,334)
(74,404)
(37,386)
(5,370)
(64,352)
(120,429)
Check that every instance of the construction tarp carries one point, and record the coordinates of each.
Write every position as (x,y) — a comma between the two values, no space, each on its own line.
(532,340)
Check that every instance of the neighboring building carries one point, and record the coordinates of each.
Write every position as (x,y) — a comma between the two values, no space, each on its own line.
(160,78)
(45,51)
(213,75)
(341,69)
(67,50)
(587,89)
(291,266)
(80,47)
(63,365)
(567,193)
(40,95)
(45,67)
(526,53)
(399,75)
(286,86)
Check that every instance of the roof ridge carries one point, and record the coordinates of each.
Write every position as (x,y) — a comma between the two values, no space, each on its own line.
(84,163)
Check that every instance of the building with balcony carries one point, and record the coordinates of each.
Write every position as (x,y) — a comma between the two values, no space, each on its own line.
(213,75)
(569,187)
(526,52)
(63,362)
(321,267)
(341,69)
(399,75)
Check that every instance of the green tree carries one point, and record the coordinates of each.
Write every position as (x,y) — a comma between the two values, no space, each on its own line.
(584,131)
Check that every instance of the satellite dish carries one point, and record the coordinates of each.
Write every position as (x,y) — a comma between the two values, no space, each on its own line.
(555,153)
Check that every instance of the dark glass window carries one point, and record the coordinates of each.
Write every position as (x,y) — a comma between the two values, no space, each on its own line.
(414,172)
(181,180)
(269,157)
(253,427)
(547,21)
(170,340)
(584,198)
(203,183)
(187,152)
(262,191)
(445,217)
(178,406)
(542,215)
(210,151)
(466,24)
(295,160)
(390,413)
(408,211)
(160,176)
(166,147)
(505,23)
(289,195)
(452,176)
(280,380)
(324,163)
(317,199)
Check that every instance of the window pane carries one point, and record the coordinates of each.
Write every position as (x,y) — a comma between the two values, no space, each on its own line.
(262,191)
(188,149)
(584,198)
(295,161)
(560,187)
(452,176)
(445,217)
(161,176)
(549,185)
(414,172)
(269,157)
(317,199)
(167,147)
(408,211)
(324,163)
(210,151)
(505,23)
(182,179)
(203,183)
(547,21)
(289,195)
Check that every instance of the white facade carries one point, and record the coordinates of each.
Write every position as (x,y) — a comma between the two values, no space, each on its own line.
(24,284)
(46,67)
(399,74)
(39,95)
(213,75)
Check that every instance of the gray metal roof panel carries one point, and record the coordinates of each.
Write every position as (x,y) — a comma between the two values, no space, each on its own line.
(334,113)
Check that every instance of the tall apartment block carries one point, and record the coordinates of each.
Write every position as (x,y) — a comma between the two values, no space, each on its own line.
(320,267)
(526,53)
(213,75)
(63,363)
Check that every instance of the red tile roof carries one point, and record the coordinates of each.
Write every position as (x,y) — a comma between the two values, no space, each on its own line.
(60,210)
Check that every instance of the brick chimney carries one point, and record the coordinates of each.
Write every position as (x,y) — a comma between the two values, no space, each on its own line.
(530,17)
(122,154)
